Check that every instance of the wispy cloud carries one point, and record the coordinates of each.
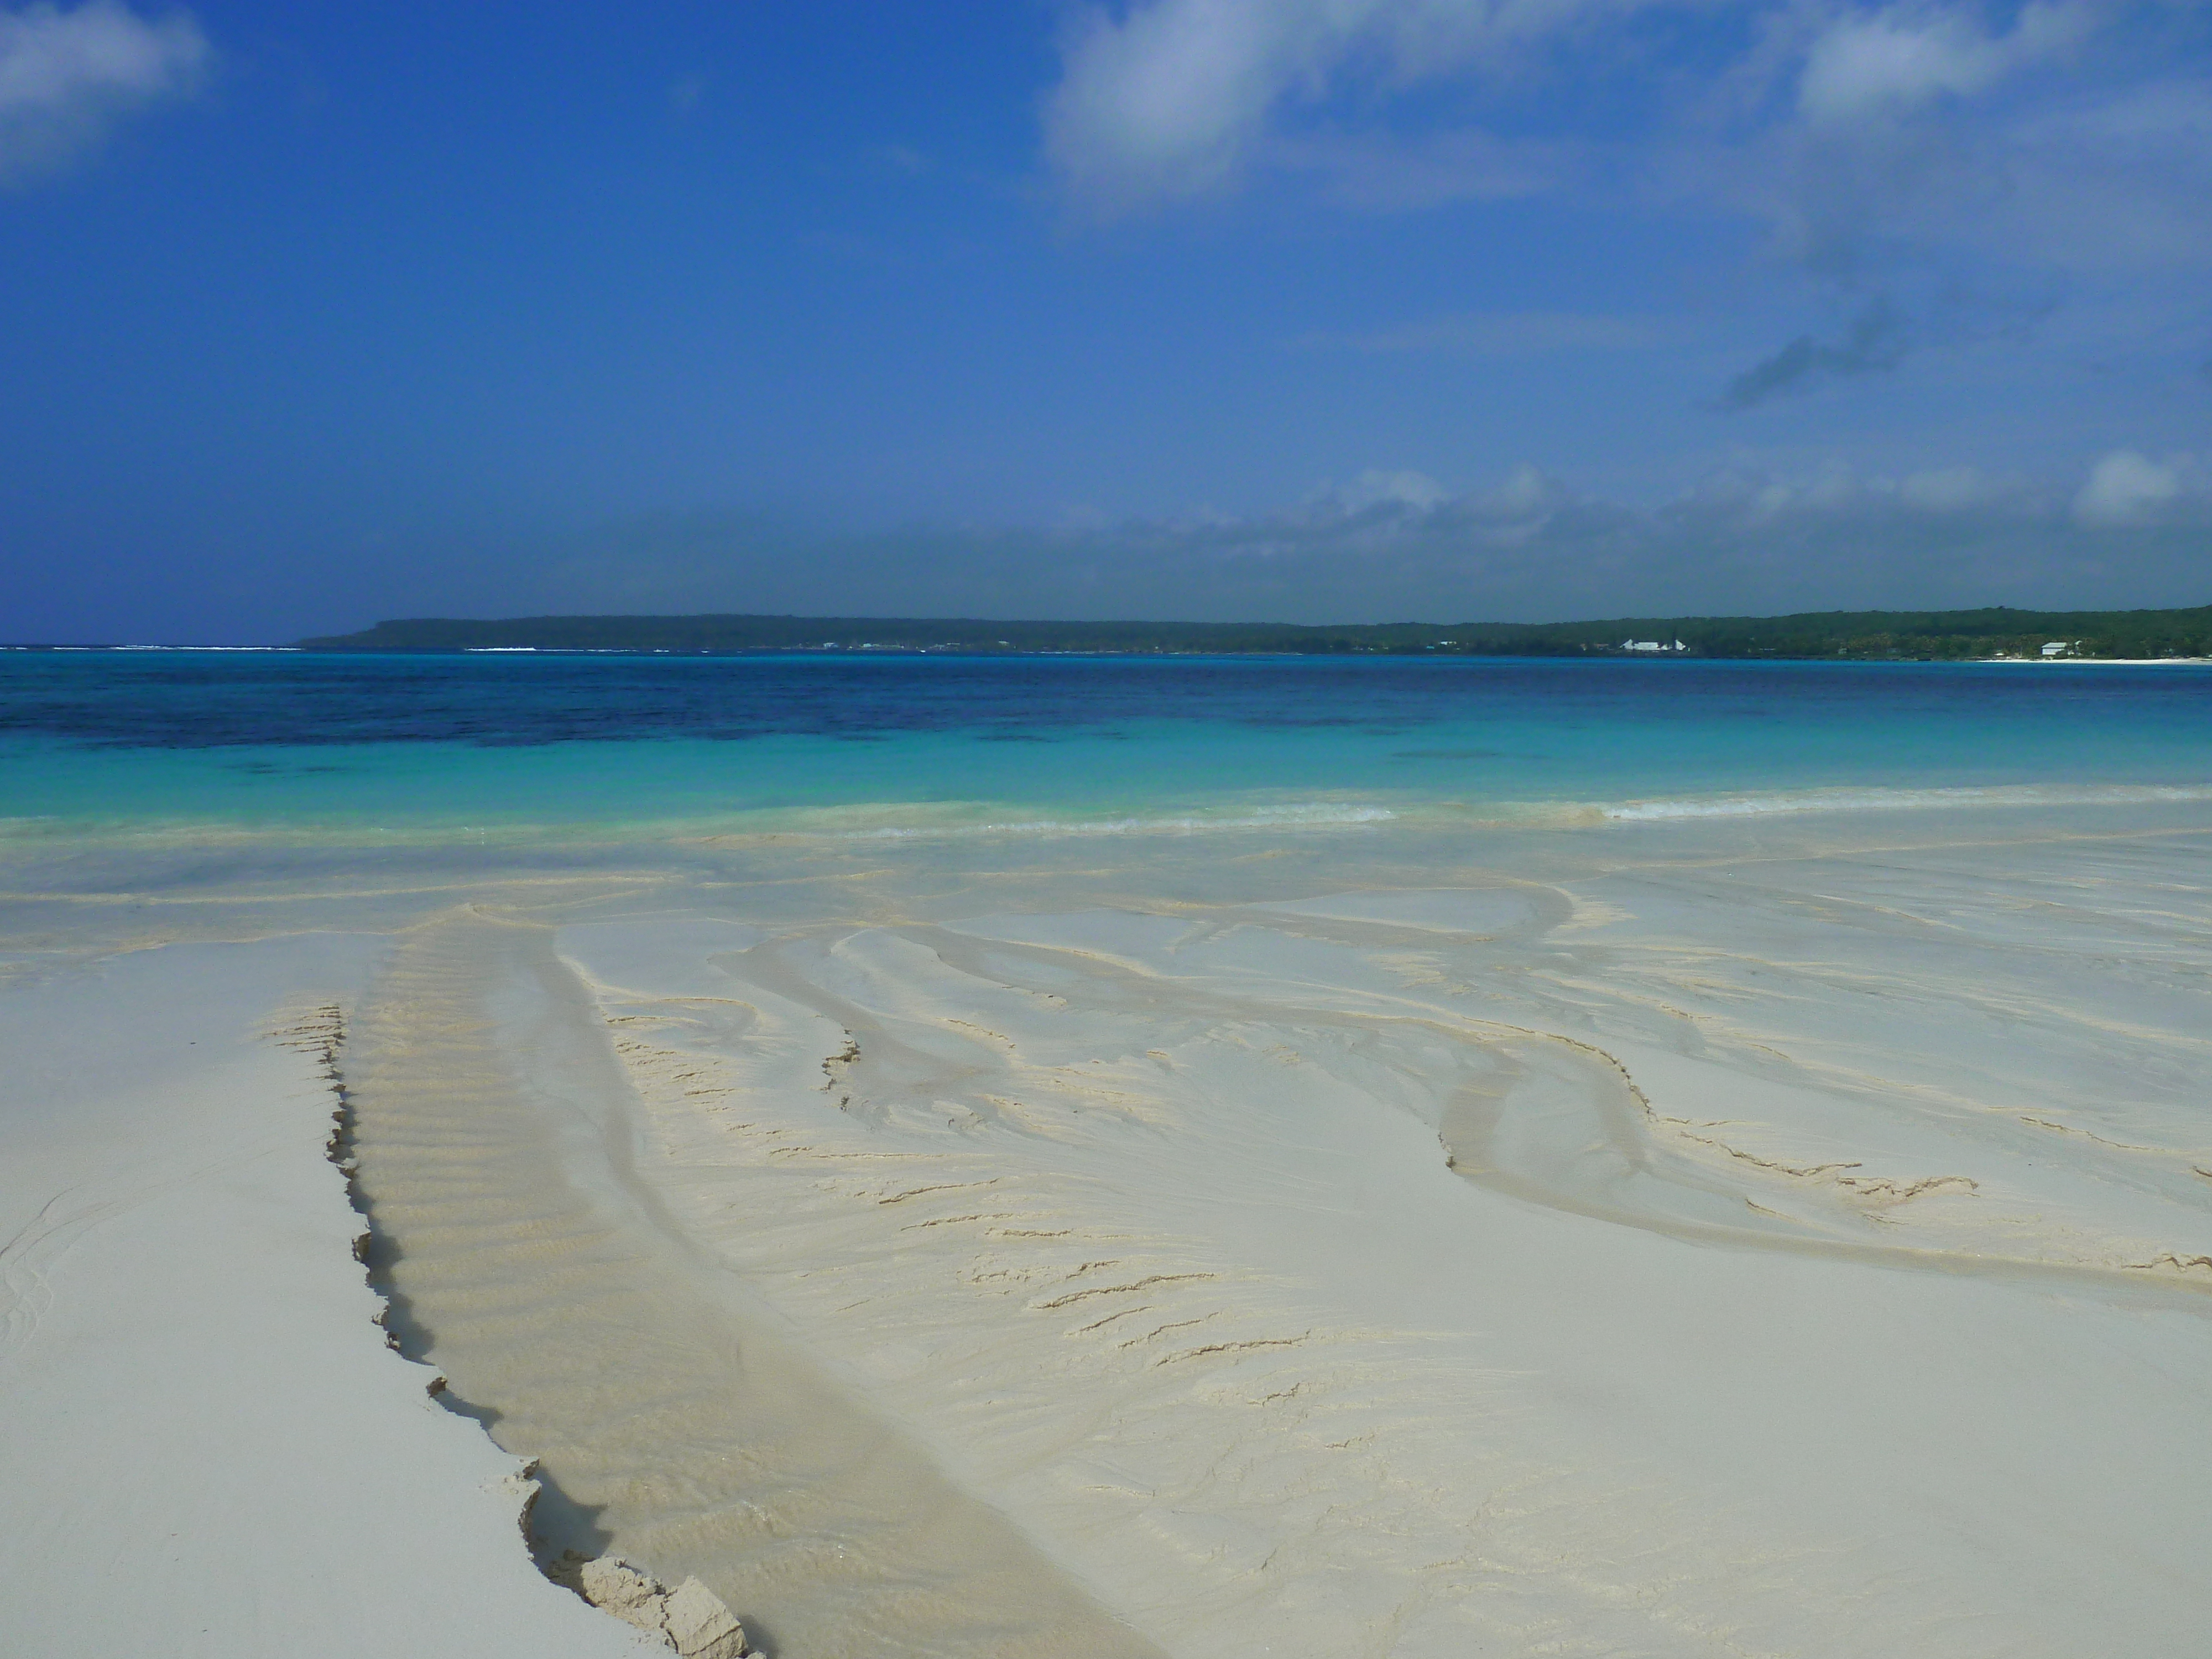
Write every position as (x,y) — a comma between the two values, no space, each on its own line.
(1894,149)
(2126,489)
(1394,543)
(1867,66)
(1876,341)
(1174,98)
(66,77)
(1384,173)
(1506,334)
(1161,100)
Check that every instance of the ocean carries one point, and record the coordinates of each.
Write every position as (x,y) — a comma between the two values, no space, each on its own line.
(518,748)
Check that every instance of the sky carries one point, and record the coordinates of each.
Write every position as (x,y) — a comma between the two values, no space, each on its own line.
(1300,310)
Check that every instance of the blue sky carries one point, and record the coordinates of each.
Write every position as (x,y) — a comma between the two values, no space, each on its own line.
(1310,309)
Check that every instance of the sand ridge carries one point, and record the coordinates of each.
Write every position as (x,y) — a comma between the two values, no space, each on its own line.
(1144,1221)
(675,1423)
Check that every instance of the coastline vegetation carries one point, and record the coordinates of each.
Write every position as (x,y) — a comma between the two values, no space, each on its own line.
(1996,631)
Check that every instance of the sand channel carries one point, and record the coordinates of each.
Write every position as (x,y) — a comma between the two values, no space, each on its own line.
(670,1414)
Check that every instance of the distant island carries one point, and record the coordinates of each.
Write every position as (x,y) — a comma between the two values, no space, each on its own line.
(1856,635)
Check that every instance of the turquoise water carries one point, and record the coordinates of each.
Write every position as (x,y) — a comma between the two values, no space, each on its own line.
(410,748)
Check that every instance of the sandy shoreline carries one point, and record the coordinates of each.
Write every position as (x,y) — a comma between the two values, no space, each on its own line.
(1681,1238)
(2112,662)
(209,1450)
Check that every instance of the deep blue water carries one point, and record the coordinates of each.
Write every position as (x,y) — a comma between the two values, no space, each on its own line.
(869,745)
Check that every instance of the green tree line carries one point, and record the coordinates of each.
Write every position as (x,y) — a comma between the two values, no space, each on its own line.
(1856,635)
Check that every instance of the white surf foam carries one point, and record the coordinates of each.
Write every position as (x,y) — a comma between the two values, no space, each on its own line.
(1890,800)
(1296,816)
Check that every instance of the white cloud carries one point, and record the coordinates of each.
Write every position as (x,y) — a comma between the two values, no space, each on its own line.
(1170,97)
(1904,57)
(66,76)
(1161,101)
(1392,545)
(1754,498)
(1865,134)
(2126,489)
(1946,489)
(1167,99)
(1375,488)
(1525,492)
(2112,179)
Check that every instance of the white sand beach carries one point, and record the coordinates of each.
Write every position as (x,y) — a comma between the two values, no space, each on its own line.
(207,1449)
(1711,1236)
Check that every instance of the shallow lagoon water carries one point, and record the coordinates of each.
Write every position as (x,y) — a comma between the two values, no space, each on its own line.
(479,746)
